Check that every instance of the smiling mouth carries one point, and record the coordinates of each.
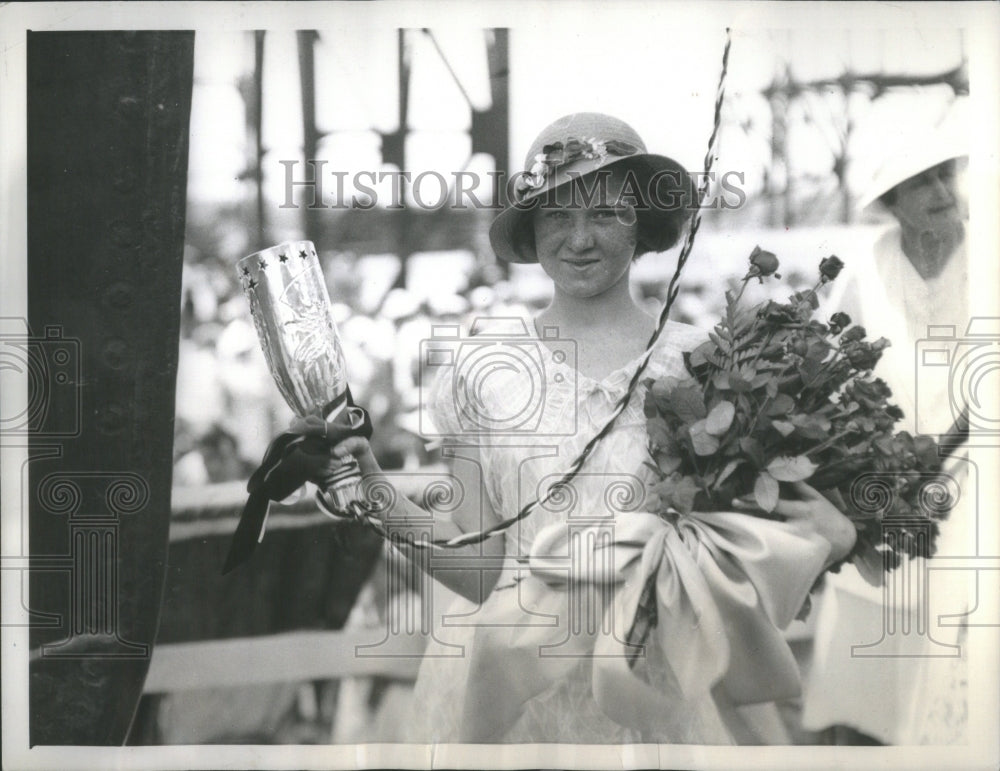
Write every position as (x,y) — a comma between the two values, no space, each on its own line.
(580,263)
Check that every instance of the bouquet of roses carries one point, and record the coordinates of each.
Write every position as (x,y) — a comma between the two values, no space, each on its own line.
(776,396)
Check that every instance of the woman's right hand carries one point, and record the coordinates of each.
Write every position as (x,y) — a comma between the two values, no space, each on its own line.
(358,448)
(339,454)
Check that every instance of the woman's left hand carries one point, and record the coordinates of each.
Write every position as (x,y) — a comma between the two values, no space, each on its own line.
(814,510)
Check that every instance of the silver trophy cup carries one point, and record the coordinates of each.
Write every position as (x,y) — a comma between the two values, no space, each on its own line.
(291,310)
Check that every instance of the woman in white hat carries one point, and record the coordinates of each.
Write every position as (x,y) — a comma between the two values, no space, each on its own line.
(893,672)
(537,648)
(920,261)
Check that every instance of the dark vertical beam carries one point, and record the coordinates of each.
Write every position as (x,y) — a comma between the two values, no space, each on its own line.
(394,152)
(251,88)
(306,40)
(394,142)
(108,120)
(258,134)
(778,104)
(841,161)
(491,128)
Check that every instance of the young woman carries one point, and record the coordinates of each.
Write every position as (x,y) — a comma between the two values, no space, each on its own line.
(538,646)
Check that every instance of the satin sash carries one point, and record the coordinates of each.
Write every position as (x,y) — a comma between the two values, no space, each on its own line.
(726,585)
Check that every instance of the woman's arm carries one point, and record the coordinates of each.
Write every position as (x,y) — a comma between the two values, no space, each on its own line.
(473,570)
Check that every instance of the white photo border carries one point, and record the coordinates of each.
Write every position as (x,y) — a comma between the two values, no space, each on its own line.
(982,20)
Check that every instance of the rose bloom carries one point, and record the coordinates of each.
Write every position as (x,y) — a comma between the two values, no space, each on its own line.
(862,355)
(840,321)
(830,267)
(779,313)
(765,263)
(853,334)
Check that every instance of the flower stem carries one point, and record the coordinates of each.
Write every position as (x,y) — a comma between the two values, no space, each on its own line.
(745,280)
(823,445)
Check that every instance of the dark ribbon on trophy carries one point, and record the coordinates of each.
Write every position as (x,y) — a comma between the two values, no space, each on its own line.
(290,460)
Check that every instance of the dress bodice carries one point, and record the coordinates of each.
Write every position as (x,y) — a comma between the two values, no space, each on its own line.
(530,413)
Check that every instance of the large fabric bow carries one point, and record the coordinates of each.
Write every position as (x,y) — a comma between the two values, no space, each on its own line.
(724,586)
(292,459)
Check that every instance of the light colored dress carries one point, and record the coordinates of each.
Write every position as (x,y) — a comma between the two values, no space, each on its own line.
(544,658)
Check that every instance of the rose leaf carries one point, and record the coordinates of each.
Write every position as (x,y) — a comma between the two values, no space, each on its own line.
(783,427)
(765,491)
(704,443)
(688,404)
(720,418)
(791,468)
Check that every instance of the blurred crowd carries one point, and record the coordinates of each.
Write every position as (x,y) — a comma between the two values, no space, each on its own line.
(228,407)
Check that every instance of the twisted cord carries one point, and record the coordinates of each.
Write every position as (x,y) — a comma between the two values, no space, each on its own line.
(673,289)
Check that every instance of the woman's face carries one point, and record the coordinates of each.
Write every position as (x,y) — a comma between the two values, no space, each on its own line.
(929,201)
(583,240)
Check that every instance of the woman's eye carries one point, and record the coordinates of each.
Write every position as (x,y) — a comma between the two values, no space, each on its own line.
(602,213)
(555,214)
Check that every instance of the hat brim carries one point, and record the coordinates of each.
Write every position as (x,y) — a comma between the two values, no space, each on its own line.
(900,168)
(504,228)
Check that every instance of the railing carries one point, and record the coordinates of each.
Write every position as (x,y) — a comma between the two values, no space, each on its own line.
(263,624)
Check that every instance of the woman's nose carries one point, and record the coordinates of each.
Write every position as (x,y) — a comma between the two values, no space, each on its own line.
(944,188)
(582,237)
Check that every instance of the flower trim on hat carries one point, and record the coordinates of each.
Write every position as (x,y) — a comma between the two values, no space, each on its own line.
(558,154)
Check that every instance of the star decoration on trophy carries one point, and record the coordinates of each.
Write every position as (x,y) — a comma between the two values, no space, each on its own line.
(296,328)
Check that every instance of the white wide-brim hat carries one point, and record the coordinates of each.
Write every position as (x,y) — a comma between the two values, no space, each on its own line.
(913,150)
